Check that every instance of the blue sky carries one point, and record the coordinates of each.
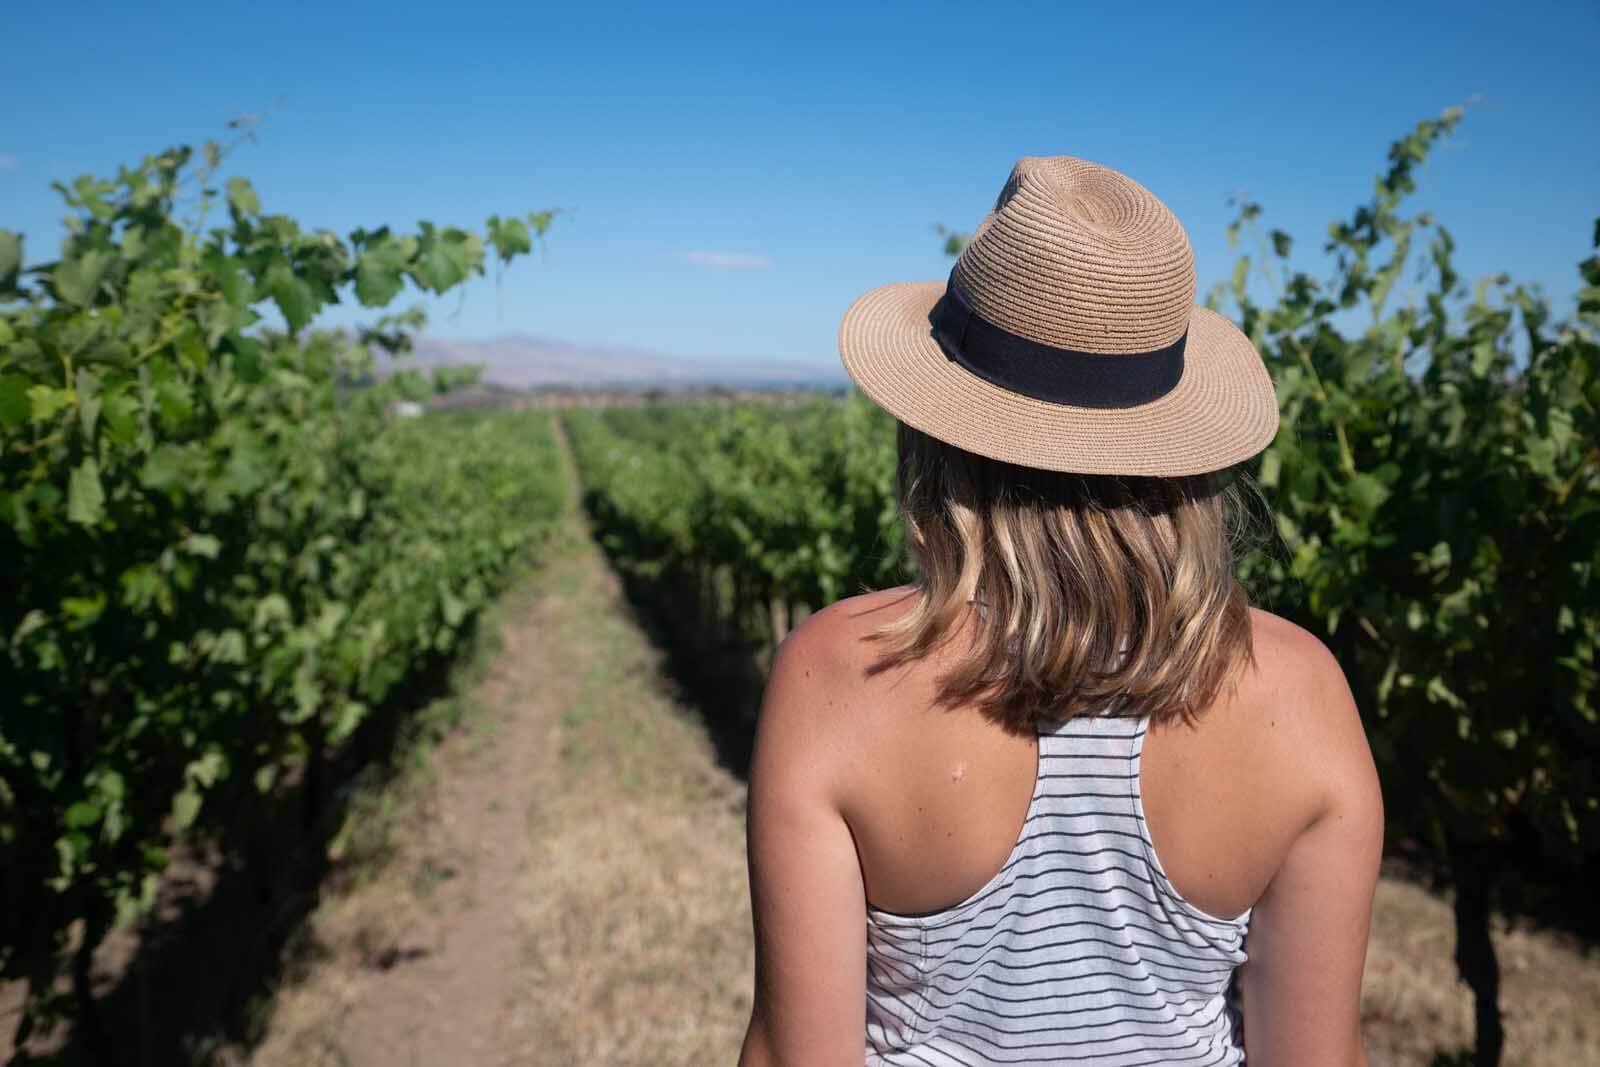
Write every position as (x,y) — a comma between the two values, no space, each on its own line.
(734,175)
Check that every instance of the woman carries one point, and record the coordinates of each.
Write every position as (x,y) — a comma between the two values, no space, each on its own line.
(1046,804)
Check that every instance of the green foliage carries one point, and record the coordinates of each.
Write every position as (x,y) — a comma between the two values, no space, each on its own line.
(792,505)
(220,551)
(1437,484)
(954,240)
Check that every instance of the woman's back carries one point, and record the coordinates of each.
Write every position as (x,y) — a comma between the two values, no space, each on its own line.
(976,846)
(1078,946)
(935,796)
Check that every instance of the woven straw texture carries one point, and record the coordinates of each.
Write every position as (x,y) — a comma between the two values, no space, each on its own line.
(1074,255)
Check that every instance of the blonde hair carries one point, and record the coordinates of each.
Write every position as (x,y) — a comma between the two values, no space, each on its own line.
(1093,592)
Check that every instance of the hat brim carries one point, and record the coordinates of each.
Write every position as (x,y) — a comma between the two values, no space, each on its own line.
(1221,412)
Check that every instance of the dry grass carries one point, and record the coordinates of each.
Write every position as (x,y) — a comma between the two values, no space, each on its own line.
(635,912)
(1413,1007)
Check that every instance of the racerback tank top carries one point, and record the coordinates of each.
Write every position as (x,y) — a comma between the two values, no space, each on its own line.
(1078,950)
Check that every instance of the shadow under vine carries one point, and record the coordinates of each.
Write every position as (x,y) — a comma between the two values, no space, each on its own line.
(713,665)
(229,926)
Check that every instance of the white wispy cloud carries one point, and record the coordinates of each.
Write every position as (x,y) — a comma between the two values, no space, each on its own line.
(8,161)
(728,260)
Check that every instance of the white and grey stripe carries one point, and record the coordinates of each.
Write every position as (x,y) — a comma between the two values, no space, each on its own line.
(1077,951)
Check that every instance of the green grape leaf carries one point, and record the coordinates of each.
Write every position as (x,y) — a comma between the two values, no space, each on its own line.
(1271,467)
(207,769)
(242,197)
(228,277)
(83,611)
(46,400)
(447,260)
(185,808)
(230,648)
(14,402)
(1366,493)
(202,545)
(294,297)
(174,402)
(165,468)
(509,237)
(119,413)
(83,813)
(380,272)
(349,717)
(77,280)
(85,497)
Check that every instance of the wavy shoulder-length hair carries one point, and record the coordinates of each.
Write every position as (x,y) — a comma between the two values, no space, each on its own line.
(1085,593)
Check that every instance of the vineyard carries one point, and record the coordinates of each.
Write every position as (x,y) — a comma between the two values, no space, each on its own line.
(221,552)
(229,551)
(751,511)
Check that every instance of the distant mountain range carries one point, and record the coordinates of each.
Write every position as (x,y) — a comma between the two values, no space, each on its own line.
(522,361)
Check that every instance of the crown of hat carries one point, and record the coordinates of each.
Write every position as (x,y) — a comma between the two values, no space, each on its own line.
(1076,255)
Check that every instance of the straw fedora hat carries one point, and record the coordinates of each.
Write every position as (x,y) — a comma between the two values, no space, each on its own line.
(1067,338)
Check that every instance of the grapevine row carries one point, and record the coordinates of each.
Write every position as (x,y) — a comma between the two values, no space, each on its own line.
(221,553)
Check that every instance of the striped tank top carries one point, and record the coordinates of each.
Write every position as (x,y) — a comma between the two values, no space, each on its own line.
(1078,950)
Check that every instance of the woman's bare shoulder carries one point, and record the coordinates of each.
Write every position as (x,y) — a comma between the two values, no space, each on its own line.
(1284,649)
(839,636)
(1295,694)
(810,723)
(1292,663)
(822,667)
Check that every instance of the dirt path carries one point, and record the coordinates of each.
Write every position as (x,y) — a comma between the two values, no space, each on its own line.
(564,884)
